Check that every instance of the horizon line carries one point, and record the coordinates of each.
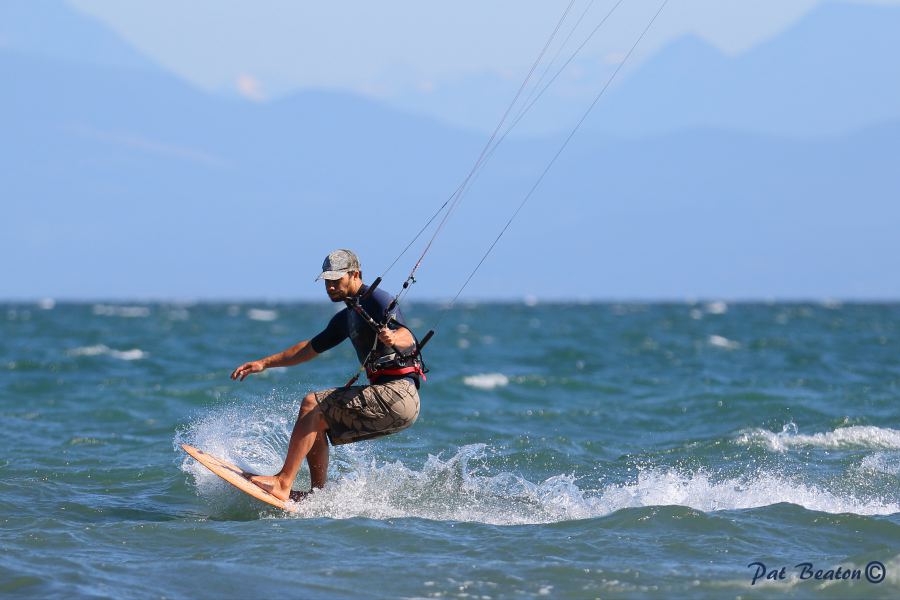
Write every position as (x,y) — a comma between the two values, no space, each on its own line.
(526,299)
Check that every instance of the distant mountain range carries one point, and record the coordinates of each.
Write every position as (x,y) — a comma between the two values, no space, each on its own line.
(834,71)
(25,27)
(119,180)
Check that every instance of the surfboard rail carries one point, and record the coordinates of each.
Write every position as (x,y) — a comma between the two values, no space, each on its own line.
(237,477)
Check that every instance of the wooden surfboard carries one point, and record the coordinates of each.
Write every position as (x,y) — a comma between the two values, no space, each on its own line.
(237,477)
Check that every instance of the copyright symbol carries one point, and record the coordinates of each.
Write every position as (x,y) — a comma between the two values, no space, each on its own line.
(875,572)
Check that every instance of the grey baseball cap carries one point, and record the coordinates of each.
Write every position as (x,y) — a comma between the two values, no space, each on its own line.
(339,263)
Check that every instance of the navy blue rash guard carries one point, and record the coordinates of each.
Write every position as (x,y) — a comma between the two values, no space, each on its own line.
(347,323)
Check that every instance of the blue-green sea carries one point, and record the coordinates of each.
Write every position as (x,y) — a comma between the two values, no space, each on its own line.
(594,450)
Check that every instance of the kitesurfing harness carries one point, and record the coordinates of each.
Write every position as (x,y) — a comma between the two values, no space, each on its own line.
(396,363)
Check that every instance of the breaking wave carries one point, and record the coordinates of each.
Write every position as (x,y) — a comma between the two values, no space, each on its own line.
(462,486)
(855,436)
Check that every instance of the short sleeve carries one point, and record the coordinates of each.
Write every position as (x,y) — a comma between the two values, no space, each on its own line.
(333,334)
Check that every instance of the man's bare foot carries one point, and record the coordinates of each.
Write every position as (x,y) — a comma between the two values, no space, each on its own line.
(273,485)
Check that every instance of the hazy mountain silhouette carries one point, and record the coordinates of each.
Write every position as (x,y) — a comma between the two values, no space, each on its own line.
(25,27)
(834,71)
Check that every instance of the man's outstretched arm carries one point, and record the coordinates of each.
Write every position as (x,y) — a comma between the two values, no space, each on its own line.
(296,354)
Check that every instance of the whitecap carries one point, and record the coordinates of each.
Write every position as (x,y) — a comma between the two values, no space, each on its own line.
(716,308)
(881,462)
(133,354)
(101,349)
(702,492)
(46,304)
(855,436)
(115,310)
(88,350)
(260,314)
(722,342)
(486,381)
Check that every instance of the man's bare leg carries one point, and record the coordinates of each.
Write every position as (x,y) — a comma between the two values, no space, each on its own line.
(309,426)
(317,459)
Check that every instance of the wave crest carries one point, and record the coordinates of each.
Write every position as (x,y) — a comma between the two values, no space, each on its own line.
(466,486)
(855,436)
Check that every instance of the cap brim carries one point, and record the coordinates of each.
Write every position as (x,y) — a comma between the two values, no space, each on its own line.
(331,275)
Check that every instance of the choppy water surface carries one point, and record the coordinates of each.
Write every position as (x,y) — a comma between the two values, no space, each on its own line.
(599,450)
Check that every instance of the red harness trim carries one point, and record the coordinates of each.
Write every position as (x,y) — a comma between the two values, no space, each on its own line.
(373,375)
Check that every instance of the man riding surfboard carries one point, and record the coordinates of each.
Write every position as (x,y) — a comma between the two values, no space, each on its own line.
(387,350)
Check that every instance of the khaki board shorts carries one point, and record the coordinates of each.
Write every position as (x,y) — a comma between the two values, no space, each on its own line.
(365,412)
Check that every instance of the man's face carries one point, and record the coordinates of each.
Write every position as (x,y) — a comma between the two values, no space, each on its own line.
(339,289)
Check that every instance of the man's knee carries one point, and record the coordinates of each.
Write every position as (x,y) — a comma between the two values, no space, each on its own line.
(309,404)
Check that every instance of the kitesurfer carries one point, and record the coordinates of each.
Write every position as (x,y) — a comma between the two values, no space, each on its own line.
(388,351)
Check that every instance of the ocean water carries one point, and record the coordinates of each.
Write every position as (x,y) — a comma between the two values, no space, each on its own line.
(563,450)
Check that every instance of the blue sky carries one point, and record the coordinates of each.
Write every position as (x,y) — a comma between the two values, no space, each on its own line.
(174,150)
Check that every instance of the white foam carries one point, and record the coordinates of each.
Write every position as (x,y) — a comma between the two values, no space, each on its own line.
(444,490)
(98,349)
(452,490)
(113,310)
(881,462)
(716,308)
(701,492)
(254,437)
(463,487)
(133,354)
(855,436)
(46,304)
(88,350)
(486,381)
(260,314)
(892,569)
(722,342)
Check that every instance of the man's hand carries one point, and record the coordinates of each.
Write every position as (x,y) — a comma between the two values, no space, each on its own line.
(246,369)
(387,336)
(401,339)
